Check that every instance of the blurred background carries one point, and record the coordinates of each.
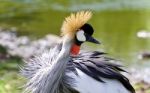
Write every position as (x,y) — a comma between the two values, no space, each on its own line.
(28,27)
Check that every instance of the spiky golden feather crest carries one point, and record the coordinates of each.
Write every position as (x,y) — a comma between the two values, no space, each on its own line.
(73,22)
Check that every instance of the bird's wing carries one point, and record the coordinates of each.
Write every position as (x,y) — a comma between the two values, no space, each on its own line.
(97,65)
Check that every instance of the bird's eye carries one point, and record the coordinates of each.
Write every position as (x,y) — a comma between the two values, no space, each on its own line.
(80,36)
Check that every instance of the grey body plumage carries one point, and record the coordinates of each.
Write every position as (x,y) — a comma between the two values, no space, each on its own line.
(41,79)
(63,70)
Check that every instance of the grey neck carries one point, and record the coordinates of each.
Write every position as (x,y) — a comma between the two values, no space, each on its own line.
(58,69)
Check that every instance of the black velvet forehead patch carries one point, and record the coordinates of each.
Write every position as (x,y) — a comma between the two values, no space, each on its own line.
(87,29)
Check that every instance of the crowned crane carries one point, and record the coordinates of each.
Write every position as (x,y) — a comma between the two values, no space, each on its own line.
(63,69)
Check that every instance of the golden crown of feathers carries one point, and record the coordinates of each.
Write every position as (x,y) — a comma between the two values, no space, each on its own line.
(75,21)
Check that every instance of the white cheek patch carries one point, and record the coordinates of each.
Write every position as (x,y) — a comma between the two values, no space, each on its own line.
(80,36)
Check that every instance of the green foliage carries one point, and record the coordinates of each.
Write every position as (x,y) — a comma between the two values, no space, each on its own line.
(142,88)
(3,50)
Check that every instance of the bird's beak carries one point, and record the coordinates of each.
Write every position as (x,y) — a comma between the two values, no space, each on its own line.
(91,39)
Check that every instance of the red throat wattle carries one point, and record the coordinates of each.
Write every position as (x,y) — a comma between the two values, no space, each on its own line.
(75,49)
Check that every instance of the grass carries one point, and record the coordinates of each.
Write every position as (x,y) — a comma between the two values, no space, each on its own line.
(10,80)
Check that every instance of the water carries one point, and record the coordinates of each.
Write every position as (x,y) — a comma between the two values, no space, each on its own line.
(116,23)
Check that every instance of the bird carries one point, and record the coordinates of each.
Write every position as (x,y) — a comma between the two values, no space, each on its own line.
(65,69)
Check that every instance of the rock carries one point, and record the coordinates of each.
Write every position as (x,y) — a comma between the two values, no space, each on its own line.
(23,46)
(143,34)
(144,55)
(139,75)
